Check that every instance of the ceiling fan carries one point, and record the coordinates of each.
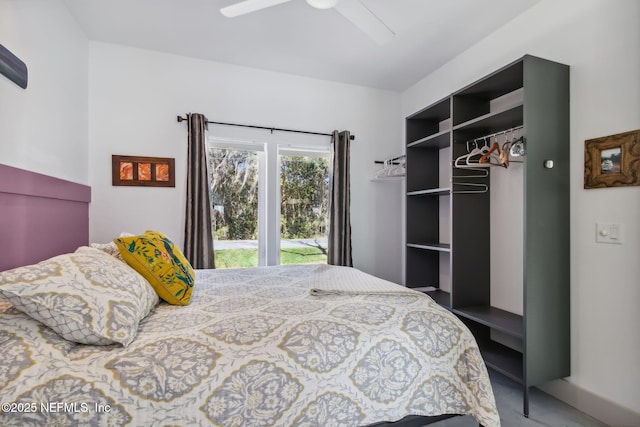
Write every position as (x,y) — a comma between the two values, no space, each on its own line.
(354,10)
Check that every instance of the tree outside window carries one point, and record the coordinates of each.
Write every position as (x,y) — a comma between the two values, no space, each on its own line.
(304,188)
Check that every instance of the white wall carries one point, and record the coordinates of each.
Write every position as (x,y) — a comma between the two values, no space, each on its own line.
(600,40)
(135,96)
(44,128)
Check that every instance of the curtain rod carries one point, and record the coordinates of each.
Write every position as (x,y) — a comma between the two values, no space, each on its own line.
(181,119)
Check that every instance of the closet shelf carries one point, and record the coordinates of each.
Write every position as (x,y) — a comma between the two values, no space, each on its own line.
(501,82)
(440,247)
(501,358)
(387,178)
(438,140)
(494,318)
(442,298)
(444,191)
(494,122)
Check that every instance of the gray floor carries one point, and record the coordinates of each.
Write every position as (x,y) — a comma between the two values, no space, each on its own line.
(544,410)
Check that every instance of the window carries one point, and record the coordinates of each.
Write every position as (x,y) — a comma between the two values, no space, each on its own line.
(235,178)
(304,206)
(269,202)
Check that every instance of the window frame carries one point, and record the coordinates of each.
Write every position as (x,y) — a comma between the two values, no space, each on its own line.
(270,146)
(294,151)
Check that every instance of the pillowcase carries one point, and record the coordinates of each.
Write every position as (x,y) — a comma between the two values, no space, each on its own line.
(162,263)
(111,247)
(88,297)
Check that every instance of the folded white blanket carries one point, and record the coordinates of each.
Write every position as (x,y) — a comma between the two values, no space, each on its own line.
(334,280)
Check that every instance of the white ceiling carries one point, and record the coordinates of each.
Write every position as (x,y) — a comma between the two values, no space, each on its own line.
(297,39)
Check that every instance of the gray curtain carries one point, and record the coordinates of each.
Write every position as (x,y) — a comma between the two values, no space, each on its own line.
(198,238)
(339,250)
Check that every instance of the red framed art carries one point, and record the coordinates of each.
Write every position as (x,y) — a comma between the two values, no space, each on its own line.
(142,171)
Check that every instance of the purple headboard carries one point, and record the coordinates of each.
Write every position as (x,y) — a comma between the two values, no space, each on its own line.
(40,216)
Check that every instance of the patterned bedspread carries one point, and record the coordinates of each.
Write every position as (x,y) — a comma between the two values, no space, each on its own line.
(253,348)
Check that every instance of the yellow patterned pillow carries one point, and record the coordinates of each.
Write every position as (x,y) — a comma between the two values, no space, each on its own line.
(162,263)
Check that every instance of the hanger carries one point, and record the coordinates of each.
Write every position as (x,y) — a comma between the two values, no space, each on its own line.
(479,188)
(506,148)
(392,168)
(463,157)
(481,152)
(495,154)
(465,161)
(486,156)
(517,147)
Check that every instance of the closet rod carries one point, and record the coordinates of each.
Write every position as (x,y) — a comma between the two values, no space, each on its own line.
(181,119)
(382,162)
(502,132)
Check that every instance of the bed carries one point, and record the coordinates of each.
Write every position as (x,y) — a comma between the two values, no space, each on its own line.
(309,345)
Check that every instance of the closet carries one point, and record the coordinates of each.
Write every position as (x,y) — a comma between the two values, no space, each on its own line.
(489,240)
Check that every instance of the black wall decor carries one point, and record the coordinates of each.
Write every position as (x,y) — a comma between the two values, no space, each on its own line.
(13,68)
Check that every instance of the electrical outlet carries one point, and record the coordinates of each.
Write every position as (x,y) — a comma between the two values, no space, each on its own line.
(609,233)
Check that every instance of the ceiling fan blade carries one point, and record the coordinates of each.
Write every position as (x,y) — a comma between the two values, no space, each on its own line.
(363,18)
(248,6)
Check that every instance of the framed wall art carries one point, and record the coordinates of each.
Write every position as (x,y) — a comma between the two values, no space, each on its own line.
(142,171)
(612,161)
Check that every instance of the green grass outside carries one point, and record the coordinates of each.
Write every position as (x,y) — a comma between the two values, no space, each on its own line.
(236,258)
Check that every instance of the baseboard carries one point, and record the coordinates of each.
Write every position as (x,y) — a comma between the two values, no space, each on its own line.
(596,406)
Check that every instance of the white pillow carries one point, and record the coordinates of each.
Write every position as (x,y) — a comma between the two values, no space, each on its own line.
(111,247)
